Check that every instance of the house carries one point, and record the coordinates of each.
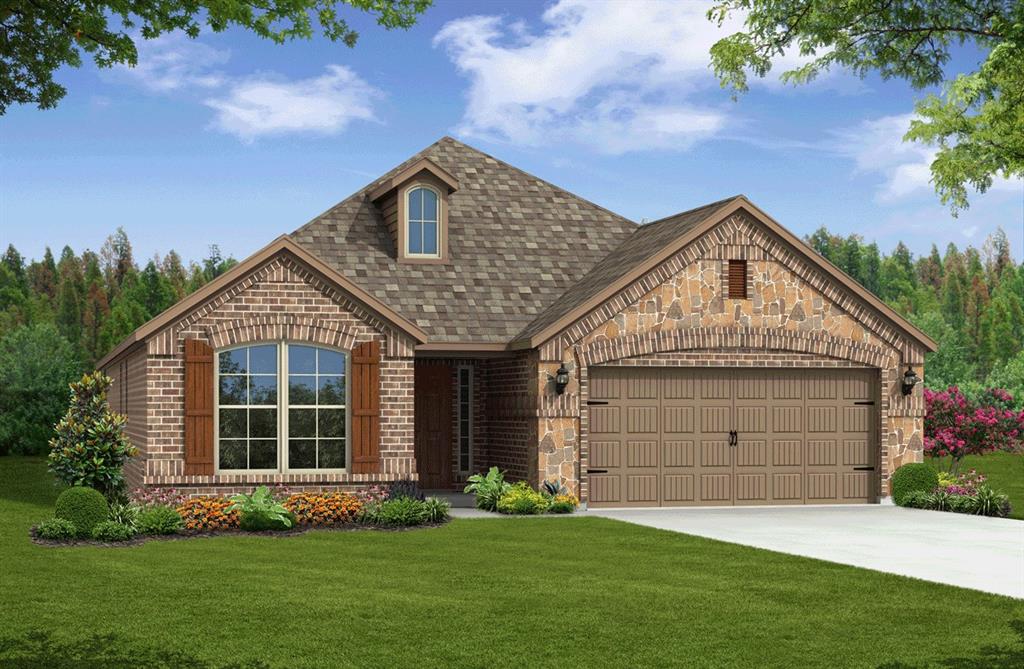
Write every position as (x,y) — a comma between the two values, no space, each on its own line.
(458,314)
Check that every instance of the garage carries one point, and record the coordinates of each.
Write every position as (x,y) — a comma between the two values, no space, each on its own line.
(663,436)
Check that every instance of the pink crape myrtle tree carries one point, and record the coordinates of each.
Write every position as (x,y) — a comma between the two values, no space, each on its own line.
(955,425)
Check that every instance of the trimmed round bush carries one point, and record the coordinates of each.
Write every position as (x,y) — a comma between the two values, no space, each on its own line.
(159,520)
(912,477)
(56,528)
(82,506)
(111,530)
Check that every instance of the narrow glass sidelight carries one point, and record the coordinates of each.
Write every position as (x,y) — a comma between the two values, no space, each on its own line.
(465,418)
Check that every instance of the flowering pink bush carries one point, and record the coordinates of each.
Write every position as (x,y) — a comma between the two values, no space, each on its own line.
(149,497)
(957,426)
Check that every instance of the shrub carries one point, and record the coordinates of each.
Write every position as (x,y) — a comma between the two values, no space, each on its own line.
(158,520)
(90,447)
(260,511)
(521,499)
(147,497)
(207,514)
(957,426)
(562,504)
(437,509)
(84,507)
(404,488)
(110,530)
(911,477)
(123,513)
(323,509)
(488,488)
(917,499)
(56,528)
(375,493)
(36,366)
(398,512)
(988,502)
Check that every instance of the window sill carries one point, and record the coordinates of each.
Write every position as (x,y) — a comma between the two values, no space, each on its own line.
(272,478)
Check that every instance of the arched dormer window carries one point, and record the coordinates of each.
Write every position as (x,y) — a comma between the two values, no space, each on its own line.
(423,222)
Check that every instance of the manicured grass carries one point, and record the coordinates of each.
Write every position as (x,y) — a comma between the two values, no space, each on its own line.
(1005,472)
(559,592)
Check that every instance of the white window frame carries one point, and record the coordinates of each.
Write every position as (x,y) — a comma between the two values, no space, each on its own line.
(283,405)
(459,416)
(408,221)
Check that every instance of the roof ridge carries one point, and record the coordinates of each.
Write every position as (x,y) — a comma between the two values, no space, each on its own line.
(536,178)
(693,210)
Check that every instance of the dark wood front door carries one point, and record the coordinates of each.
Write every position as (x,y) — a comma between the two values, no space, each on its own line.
(434,425)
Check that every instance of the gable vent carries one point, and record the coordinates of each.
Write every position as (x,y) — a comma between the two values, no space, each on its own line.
(737,279)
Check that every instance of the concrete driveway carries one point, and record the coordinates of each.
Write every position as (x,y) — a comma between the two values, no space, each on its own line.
(968,551)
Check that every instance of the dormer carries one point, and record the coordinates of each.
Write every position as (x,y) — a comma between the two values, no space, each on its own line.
(414,204)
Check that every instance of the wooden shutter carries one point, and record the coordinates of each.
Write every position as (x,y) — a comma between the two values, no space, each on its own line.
(365,410)
(737,279)
(198,408)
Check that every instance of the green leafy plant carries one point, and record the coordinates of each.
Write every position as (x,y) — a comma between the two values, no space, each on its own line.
(159,520)
(90,446)
(56,529)
(436,509)
(123,513)
(563,503)
(554,488)
(917,499)
(521,499)
(488,488)
(260,511)
(83,507)
(910,477)
(398,512)
(110,530)
(988,502)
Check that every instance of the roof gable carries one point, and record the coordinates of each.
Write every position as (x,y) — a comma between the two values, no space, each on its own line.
(410,173)
(644,252)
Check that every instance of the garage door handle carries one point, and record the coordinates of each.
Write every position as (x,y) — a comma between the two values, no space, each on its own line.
(591,403)
(863,469)
(597,471)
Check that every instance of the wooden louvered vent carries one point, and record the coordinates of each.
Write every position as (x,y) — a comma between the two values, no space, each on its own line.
(737,279)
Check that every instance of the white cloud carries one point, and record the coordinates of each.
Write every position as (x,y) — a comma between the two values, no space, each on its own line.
(610,75)
(174,61)
(271,105)
(877,147)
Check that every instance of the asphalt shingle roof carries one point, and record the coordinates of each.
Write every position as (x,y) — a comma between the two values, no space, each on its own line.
(516,244)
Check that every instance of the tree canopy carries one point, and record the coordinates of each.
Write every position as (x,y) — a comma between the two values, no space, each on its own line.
(975,124)
(38,37)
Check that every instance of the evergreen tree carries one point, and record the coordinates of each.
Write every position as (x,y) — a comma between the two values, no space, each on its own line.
(848,257)
(116,260)
(154,290)
(824,242)
(14,262)
(126,314)
(929,269)
(954,287)
(871,268)
(174,271)
(997,256)
(97,312)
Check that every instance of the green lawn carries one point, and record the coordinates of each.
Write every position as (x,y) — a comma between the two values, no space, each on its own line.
(559,592)
(1005,472)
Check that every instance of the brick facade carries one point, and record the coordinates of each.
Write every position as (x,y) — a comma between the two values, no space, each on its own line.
(679,315)
(279,301)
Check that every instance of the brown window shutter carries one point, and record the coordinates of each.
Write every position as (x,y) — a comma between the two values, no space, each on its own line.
(737,279)
(366,408)
(198,408)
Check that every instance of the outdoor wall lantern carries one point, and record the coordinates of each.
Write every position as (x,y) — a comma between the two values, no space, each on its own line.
(561,379)
(910,379)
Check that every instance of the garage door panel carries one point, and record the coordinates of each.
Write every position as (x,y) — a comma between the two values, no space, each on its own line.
(715,419)
(751,419)
(642,488)
(715,386)
(787,487)
(856,485)
(642,386)
(788,419)
(716,487)
(677,488)
(821,487)
(856,387)
(605,386)
(751,487)
(821,419)
(605,489)
(822,453)
(678,387)
(678,420)
(751,453)
(856,452)
(606,454)
(751,387)
(642,454)
(715,454)
(856,419)
(604,420)
(822,388)
(642,420)
(677,454)
(787,453)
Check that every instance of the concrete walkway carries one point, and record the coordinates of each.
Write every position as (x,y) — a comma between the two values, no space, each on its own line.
(968,551)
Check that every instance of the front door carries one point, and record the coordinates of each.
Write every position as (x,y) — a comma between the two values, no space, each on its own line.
(433,432)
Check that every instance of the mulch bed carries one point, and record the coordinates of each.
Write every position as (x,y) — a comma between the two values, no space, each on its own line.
(141,539)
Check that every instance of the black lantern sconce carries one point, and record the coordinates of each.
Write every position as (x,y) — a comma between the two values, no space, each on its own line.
(561,379)
(910,379)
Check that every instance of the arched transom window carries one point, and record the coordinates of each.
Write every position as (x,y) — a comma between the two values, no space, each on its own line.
(423,214)
(281,407)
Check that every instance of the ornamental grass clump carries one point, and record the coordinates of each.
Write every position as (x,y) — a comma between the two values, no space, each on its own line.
(90,446)
(207,514)
(323,509)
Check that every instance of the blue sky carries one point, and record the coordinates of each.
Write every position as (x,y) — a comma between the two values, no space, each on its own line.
(233,140)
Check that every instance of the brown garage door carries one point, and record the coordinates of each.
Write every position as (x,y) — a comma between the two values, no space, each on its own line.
(688,437)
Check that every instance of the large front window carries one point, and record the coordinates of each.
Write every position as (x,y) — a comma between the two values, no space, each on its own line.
(271,421)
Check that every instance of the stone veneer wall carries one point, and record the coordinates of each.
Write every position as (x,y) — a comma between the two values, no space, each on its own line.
(280,301)
(678,314)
